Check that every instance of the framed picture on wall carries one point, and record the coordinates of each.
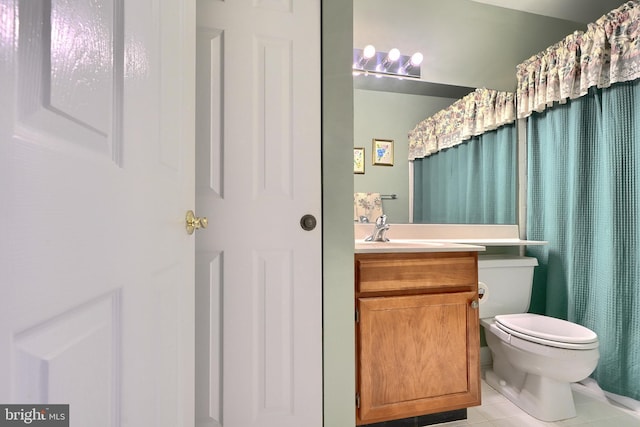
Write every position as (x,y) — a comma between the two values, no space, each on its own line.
(383,152)
(358,160)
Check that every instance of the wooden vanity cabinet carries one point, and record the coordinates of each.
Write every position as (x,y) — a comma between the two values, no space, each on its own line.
(417,334)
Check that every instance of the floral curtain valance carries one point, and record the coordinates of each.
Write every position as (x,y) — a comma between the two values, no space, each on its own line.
(480,111)
(608,52)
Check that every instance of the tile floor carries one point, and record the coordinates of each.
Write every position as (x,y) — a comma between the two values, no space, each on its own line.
(593,411)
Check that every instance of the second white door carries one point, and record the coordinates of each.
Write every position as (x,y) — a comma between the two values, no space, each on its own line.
(258,272)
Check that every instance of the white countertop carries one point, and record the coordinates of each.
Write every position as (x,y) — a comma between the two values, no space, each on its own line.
(413,245)
(440,238)
(494,242)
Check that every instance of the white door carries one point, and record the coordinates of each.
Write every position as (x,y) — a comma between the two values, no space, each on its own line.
(96,173)
(258,272)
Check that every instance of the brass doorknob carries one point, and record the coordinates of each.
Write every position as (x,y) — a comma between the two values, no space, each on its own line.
(192,222)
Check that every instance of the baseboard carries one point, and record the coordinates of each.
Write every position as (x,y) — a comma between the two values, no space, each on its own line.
(424,420)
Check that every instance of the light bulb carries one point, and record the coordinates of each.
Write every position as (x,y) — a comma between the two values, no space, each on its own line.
(393,55)
(368,52)
(416,59)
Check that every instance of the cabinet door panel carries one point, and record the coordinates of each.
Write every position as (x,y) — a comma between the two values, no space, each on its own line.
(417,355)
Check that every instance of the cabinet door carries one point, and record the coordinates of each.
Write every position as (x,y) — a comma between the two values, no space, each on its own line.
(417,355)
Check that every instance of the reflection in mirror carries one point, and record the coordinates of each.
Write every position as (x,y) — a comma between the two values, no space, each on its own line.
(473,182)
(466,45)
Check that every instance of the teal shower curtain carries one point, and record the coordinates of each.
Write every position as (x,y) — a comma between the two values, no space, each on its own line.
(471,183)
(584,198)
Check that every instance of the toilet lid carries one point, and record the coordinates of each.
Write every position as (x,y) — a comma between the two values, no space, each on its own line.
(548,330)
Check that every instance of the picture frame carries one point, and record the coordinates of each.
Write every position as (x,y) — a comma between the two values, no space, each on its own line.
(358,160)
(382,152)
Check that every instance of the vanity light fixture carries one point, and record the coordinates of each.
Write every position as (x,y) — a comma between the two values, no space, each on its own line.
(368,61)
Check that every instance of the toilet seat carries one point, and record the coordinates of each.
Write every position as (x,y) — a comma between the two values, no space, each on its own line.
(547,331)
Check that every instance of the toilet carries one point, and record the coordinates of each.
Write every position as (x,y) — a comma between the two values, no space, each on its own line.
(535,358)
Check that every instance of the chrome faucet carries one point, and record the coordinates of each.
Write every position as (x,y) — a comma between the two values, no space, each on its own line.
(379,230)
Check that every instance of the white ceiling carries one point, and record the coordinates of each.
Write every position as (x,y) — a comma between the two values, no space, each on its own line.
(583,11)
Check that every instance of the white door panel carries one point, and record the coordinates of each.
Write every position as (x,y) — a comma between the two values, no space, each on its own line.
(96,174)
(258,274)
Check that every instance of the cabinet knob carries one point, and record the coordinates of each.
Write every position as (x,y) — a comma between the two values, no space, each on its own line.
(474,304)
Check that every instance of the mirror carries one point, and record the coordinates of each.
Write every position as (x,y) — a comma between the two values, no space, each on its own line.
(466,44)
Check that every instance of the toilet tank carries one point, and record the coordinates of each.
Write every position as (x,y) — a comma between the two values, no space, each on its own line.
(504,284)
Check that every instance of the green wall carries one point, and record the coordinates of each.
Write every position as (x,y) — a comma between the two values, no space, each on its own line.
(337,210)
